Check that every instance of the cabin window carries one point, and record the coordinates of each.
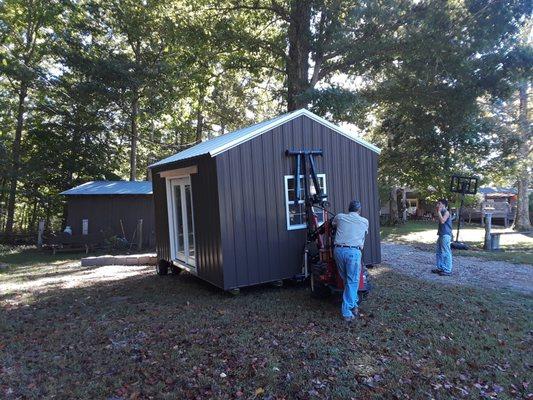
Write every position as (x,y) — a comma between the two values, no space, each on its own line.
(294,204)
(412,205)
(84,226)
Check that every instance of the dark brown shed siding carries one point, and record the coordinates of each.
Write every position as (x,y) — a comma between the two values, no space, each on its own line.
(256,244)
(161,216)
(105,212)
(206,217)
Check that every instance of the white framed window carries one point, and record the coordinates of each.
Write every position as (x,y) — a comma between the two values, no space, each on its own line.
(295,204)
(412,205)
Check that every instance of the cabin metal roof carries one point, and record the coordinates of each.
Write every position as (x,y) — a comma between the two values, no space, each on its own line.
(225,142)
(111,188)
(497,190)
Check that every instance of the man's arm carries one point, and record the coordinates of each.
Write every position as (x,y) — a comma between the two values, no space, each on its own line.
(443,218)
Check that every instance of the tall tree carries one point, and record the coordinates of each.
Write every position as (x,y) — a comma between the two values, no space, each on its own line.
(25,27)
(320,39)
(425,106)
(138,59)
(522,221)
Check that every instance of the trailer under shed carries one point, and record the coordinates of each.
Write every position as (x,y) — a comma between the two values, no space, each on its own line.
(99,211)
(226,209)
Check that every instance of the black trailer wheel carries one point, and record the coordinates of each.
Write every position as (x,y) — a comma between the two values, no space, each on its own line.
(175,269)
(162,267)
(318,289)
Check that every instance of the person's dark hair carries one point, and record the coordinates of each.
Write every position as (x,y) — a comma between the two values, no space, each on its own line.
(354,206)
(444,201)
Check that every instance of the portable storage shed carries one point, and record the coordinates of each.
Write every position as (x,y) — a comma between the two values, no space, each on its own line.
(225,209)
(95,211)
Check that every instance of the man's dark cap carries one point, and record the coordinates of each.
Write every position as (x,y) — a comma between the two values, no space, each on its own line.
(354,206)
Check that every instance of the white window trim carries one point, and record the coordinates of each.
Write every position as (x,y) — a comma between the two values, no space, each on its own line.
(287,215)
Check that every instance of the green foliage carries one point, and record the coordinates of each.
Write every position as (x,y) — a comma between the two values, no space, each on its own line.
(429,121)
(428,81)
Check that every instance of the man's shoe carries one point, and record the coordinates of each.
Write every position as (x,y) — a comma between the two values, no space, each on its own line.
(444,273)
(436,271)
(350,318)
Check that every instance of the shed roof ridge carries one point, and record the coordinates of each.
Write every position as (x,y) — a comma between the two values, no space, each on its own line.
(222,143)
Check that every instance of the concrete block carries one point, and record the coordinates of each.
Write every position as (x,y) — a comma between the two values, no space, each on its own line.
(127,261)
(89,261)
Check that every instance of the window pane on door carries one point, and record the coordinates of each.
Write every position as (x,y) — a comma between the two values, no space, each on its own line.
(179,219)
(190,222)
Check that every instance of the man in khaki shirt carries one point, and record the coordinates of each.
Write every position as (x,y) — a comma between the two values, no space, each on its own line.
(349,243)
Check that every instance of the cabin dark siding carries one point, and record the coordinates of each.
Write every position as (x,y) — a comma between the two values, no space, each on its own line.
(206,217)
(256,244)
(104,214)
(161,217)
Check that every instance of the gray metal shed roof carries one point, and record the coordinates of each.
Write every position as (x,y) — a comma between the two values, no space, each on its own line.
(110,188)
(489,190)
(225,142)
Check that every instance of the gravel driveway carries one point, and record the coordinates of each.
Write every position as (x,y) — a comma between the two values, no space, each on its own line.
(468,271)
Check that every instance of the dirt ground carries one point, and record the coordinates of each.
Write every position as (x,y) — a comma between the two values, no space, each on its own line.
(468,271)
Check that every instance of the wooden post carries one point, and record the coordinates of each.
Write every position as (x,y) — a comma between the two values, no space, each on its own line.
(404,204)
(40,233)
(488,225)
(140,234)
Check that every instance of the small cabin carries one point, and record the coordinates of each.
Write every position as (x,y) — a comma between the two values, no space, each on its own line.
(226,211)
(99,212)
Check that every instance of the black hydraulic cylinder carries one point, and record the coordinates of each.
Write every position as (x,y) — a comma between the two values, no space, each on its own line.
(297,177)
(318,190)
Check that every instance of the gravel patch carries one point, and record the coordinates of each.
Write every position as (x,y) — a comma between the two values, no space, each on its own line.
(467,271)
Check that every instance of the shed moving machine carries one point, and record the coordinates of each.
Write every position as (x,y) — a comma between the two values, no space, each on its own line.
(318,260)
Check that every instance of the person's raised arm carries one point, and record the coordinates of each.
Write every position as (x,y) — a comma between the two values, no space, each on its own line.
(443,218)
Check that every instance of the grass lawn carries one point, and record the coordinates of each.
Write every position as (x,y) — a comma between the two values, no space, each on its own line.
(516,248)
(125,333)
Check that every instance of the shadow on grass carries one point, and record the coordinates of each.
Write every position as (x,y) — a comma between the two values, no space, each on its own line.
(179,337)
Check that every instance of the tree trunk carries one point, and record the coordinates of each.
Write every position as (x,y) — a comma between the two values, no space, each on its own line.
(15,166)
(199,123)
(522,221)
(3,201)
(393,206)
(299,36)
(134,135)
(33,216)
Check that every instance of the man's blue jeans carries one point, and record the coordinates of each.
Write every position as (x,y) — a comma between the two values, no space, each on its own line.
(444,253)
(349,264)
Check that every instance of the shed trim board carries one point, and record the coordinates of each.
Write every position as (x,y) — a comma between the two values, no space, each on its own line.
(179,172)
